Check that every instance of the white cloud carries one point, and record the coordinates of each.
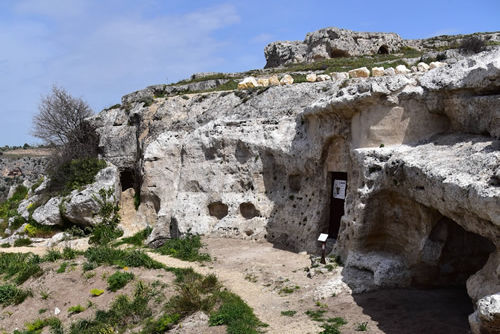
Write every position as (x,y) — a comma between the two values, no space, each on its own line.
(100,56)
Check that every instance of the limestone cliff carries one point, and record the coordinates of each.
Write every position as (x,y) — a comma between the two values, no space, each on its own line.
(420,153)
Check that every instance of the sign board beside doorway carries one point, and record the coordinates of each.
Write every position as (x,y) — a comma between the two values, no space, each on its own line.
(339,189)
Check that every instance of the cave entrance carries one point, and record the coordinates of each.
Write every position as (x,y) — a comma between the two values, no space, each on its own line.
(127,179)
(383,50)
(337,201)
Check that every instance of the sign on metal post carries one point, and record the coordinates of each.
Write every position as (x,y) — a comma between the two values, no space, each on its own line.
(322,238)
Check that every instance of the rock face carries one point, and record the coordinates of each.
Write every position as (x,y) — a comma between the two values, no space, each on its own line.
(334,42)
(330,43)
(419,154)
(15,170)
(81,206)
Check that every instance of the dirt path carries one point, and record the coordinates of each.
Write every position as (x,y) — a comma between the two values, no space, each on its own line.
(272,280)
(266,303)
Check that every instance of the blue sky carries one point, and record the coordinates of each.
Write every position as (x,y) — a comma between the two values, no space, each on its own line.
(102,49)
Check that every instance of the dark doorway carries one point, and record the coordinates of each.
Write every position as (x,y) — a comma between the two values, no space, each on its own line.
(337,199)
(383,50)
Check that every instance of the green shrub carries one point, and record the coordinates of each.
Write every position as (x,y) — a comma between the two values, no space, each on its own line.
(187,248)
(75,174)
(62,268)
(10,295)
(35,230)
(137,239)
(472,44)
(76,309)
(22,242)
(107,229)
(9,207)
(96,292)
(118,280)
(5,245)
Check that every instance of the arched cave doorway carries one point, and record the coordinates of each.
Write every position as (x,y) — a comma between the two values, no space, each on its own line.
(383,50)
(440,256)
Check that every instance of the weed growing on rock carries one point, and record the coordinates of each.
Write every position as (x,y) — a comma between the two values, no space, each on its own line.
(362,327)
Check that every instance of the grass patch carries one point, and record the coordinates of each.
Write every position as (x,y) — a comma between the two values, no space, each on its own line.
(22,242)
(38,325)
(316,315)
(135,240)
(118,280)
(10,295)
(288,313)
(19,267)
(35,230)
(123,258)
(236,315)
(123,312)
(289,290)
(186,248)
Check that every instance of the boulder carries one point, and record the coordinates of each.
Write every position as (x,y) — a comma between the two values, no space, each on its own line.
(248,82)
(263,82)
(81,206)
(401,69)
(274,80)
(339,75)
(422,67)
(323,77)
(49,213)
(286,80)
(486,318)
(377,71)
(436,64)
(311,77)
(389,71)
(361,72)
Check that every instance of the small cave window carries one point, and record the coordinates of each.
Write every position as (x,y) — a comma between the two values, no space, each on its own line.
(127,179)
(248,210)
(383,50)
(218,209)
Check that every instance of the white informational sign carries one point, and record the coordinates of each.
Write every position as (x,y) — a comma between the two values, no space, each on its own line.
(339,189)
(323,237)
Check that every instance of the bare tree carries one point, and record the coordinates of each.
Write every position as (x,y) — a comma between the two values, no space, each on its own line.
(61,122)
(59,118)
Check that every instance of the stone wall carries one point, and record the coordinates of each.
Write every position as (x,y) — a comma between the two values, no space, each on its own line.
(15,170)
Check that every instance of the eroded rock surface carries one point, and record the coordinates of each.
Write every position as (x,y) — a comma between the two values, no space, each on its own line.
(420,152)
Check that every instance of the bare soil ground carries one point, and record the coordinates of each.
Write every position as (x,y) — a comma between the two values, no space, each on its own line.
(260,274)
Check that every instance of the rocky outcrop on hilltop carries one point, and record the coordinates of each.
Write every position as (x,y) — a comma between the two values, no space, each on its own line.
(333,42)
